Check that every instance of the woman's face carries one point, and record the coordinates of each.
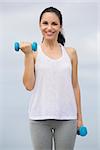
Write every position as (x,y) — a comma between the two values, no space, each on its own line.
(50,26)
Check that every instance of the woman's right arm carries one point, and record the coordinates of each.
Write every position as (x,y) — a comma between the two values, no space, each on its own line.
(29,66)
(29,72)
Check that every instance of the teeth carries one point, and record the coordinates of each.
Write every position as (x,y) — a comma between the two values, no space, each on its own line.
(49,33)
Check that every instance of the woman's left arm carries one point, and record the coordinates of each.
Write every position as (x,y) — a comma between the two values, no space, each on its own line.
(76,86)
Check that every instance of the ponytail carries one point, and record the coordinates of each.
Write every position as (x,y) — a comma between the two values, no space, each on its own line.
(61,38)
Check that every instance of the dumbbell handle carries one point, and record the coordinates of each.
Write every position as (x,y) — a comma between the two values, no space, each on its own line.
(82,131)
(17,46)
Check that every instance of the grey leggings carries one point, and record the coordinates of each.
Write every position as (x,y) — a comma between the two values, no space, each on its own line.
(46,132)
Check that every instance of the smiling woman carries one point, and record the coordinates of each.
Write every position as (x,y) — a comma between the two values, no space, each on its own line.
(51,74)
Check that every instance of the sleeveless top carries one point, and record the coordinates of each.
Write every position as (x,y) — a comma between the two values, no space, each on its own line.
(52,96)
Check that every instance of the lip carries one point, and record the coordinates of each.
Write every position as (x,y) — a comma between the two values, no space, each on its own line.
(49,33)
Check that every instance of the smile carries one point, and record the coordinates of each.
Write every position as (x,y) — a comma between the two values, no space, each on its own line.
(49,33)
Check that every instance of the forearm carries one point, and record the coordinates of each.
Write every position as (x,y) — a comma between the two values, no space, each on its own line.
(29,76)
(78,101)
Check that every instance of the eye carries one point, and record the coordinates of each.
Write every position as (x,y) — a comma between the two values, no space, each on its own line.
(54,23)
(45,22)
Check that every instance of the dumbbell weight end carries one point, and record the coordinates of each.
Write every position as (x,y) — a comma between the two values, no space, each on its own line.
(82,131)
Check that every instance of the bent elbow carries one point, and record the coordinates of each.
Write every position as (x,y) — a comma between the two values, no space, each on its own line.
(29,88)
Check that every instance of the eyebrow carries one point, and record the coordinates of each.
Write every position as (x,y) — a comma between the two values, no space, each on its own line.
(54,22)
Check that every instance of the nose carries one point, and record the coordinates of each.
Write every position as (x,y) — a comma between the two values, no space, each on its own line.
(49,27)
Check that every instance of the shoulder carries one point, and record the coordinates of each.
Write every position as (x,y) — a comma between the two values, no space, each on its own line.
(72,53)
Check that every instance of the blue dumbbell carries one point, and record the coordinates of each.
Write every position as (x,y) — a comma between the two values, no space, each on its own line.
(82,131)
(17,46)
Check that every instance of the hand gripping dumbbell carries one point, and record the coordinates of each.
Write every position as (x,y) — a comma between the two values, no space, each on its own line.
(82,131)
(17,46)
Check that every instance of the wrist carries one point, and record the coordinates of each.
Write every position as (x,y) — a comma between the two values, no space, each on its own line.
(79,116)
(29,54)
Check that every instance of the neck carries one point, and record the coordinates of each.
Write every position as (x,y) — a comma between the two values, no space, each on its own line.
(50,43)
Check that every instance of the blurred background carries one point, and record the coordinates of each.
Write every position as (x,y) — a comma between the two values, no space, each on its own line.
(19,22)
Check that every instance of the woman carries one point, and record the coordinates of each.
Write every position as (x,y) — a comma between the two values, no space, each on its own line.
(51,74)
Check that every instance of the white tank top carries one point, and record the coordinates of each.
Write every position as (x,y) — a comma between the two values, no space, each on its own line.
(52,96)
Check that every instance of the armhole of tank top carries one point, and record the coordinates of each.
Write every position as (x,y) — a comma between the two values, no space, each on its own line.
(67,54)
